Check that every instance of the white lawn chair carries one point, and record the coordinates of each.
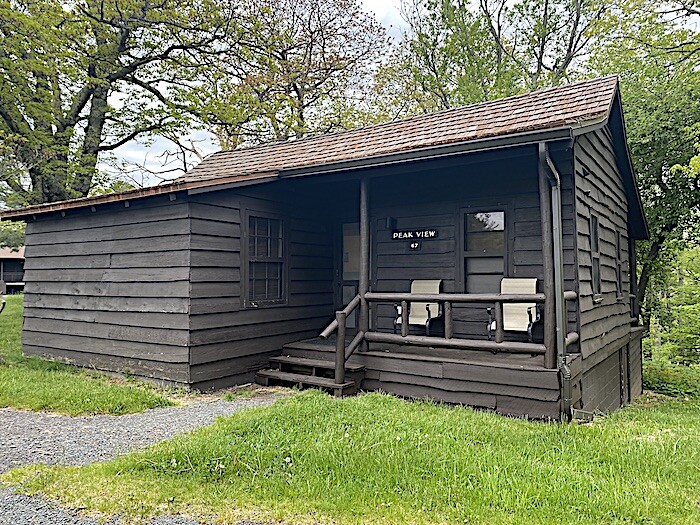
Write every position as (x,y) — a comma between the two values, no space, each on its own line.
(419,313)
(517,317)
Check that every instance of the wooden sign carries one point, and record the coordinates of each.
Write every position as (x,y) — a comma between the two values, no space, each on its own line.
(409,235)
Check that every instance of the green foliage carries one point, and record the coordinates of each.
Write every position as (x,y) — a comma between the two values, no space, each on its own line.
(377,459)
(458,52)
(653,54)
(62,66)
(671,379)
(298,70)
(11,234)
(36,384)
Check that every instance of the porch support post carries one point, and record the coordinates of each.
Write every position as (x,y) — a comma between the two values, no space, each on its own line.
(363,285)
(550,356)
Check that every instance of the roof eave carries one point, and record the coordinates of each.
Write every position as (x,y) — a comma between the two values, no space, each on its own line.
(433,152)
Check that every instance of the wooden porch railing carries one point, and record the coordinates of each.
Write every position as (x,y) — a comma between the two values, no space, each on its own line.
(448,341)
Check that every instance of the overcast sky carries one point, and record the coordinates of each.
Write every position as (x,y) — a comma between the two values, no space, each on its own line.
(387,13)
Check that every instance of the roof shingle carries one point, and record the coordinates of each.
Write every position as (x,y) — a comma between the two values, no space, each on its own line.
(572,105)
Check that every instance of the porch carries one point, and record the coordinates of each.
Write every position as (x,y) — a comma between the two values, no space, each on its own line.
(508,383)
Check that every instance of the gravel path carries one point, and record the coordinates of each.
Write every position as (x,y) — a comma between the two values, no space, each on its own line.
(36,437)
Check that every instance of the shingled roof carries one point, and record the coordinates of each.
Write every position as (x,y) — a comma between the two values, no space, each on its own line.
(563,109)
(574,105)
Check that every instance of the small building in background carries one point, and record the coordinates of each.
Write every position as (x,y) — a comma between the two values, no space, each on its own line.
(12,269)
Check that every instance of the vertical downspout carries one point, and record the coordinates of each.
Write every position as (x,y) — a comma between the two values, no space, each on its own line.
(560,305)
(363,284)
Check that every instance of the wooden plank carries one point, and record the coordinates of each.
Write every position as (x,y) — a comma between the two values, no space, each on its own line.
(227,367)
(107,304)
(178,372)
(174,289)
(108,331)
(252,316)
(267,325)
(435,394)
(514,375)
(108,275)
(207,353)
(90,261)
(125,349)
(455,385)
(174,321)
(139,211)
(179,226)
(144,244)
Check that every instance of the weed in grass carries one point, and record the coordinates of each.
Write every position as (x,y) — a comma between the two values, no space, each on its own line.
(376,459)
(37,384)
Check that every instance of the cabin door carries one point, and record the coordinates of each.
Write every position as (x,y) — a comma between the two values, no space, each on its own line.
(348,269)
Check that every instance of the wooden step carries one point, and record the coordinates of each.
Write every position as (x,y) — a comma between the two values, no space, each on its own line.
(268,376)
(313,363)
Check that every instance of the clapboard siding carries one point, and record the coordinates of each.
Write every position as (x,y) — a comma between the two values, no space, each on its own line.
(605,319)
(601,385)
(175,373)
(228,339)
(110,288)
(442,206)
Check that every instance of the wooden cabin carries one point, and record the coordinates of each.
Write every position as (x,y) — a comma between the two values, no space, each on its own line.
(317,262)
(11,270)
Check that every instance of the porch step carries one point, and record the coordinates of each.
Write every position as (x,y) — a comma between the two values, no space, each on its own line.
(313,363)
(278,377)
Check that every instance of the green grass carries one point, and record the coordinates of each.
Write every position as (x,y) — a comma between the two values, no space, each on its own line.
(377,459)
(37,384)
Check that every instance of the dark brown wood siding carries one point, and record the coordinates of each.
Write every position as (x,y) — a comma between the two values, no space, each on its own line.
(441,203)
(229,341)
(605,317)
(109,288)
(601,385)
(610,358)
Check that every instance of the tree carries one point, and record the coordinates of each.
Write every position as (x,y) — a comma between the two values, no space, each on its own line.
(11,234)
(459,52)
(80,79)
(298,71)
(661,97)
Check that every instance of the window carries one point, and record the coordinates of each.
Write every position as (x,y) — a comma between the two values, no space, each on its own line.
(618,262)
(595,258)
(266,283)
(484,251)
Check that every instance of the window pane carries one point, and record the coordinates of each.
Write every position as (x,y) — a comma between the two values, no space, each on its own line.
(485,232)
(486,221)
(261,247)
(486,242)
(484,283)
(596,275)
(594,235)
(265,276)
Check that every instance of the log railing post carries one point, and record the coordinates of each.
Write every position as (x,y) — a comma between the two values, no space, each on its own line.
(341,317)
(449,325)
(363,282)
(499,322)
(404,318)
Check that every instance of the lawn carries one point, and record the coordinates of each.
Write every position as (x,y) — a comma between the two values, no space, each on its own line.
(377,459)
(37,384)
